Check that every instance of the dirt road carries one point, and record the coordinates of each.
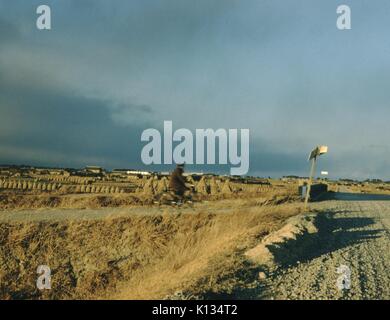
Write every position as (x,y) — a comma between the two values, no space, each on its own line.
(354,231)
(61,214)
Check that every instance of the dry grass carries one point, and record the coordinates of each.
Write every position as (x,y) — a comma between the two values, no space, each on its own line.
(21,199)
(140,257)
(13,200)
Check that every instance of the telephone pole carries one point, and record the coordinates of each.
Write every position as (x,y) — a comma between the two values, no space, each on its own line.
(313,158)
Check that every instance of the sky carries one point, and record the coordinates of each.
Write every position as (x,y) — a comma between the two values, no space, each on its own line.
(83,92)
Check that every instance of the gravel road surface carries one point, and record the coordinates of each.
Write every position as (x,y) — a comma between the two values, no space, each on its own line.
(352,245)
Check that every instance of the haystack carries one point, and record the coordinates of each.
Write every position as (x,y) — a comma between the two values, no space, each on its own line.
(227,188)
(214,189)
(202,187)
(148,188)
(190,180)
(162,185)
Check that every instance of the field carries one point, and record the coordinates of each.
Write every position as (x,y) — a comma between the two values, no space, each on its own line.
(126,238)
(135,243)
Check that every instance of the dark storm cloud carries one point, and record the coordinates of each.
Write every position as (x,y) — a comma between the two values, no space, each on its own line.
(67,126)
(109,69)
(8,31)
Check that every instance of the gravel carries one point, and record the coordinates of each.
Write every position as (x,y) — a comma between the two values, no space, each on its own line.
(351,233)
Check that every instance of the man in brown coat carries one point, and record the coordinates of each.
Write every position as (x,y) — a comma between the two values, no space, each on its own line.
(177,183)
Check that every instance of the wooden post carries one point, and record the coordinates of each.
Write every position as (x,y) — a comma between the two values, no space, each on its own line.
(308,187)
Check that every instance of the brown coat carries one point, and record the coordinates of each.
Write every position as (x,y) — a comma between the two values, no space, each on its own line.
(177,182)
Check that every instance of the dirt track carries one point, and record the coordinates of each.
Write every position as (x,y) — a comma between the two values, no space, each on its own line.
(354,230)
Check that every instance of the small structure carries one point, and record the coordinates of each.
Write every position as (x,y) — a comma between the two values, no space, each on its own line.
(94,169)
(316,190)
(131,172)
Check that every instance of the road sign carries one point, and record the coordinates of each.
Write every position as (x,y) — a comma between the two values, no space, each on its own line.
(319,150)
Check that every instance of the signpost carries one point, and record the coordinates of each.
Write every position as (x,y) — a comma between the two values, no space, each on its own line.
(313,158)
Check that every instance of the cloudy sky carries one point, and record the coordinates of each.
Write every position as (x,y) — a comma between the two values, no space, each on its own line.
(83,92)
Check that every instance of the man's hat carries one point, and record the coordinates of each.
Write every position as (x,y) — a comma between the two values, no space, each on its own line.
(180,165)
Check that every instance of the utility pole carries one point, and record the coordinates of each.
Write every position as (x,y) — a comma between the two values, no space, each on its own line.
(308,186)
(313,158)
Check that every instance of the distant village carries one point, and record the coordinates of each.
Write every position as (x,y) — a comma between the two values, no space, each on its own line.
(97,172)
(88,171)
